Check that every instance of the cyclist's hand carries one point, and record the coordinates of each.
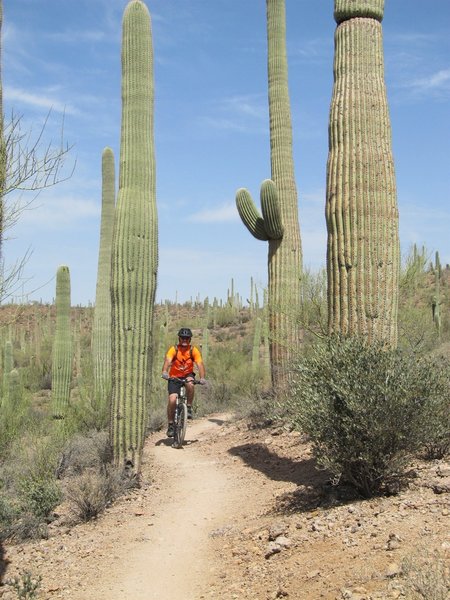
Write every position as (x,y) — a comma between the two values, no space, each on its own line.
(165,375)
(202,381)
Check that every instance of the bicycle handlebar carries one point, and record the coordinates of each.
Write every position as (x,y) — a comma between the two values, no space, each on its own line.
(183,380)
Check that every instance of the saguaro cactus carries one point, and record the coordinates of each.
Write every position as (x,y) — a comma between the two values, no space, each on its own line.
(62,346)
(101,330)
(279,221)
(363,257)
(3,153)
(135,243)
(436,300)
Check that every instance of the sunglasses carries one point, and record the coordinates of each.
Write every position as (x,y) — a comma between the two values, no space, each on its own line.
(184,338)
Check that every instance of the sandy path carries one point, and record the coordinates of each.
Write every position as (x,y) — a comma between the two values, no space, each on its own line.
(192,497)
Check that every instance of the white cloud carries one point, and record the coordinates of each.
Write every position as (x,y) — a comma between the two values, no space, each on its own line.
(59,211)
(435,82)
(70,37)
(221,214)
(12,94)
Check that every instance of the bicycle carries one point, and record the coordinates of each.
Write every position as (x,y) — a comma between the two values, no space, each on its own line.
(181,412)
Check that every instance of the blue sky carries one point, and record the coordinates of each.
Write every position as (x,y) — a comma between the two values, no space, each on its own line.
(211,130)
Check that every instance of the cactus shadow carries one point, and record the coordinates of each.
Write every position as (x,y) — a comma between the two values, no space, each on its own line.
(3,563)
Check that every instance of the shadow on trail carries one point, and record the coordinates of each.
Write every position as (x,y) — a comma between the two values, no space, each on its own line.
(218,422)
(313,487)
(169,442)
(3,563)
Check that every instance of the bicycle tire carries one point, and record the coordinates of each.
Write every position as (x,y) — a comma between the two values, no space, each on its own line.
(180,431)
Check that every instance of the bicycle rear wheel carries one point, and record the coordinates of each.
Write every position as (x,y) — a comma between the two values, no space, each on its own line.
(180,431)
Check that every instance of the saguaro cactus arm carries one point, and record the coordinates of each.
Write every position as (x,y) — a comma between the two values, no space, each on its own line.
(271,210)
(269,226)
(250,215)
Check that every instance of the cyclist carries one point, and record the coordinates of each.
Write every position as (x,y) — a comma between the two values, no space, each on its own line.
(179,362)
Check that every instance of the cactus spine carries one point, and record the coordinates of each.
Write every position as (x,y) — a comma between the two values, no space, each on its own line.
(101,331)
(135,244)
(62,346)
(279,221)
(363,256)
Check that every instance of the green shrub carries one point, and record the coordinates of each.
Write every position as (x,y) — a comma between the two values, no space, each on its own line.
(362,407)
(25,585)
(39,496)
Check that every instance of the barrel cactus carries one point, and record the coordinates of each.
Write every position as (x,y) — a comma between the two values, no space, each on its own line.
(101,330)
(278,224)
(363,256)
(62,346)
(135,244)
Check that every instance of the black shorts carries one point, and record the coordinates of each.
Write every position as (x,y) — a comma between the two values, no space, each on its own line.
(173,387)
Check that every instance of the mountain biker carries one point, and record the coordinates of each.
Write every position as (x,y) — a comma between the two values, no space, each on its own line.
(179,362)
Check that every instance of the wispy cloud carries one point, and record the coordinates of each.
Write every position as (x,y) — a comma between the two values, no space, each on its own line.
(58,211)
(221,214)
(438,82)
(246,113)
(72,37)
(13,95)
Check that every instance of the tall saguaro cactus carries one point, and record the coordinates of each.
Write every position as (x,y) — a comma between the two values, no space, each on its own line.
(101,331)
(62,346)
(135,243)
(279,221)
(3,157)
(363,256)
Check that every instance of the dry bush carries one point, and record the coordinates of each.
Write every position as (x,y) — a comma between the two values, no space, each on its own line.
(85,451)
(89,493)
(426,576)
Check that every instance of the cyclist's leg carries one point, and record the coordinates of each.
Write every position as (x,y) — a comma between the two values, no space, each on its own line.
(171,407)
(190,390)
(173,389)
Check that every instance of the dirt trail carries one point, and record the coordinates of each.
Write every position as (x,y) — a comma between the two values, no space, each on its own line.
(243,514)
(193,496)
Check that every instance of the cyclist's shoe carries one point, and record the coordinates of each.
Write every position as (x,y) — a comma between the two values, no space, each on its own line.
(190,412)
(170,430)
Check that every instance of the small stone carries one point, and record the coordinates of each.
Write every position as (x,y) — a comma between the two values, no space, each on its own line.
(393,570)
(313,574)
(277,529)
(272,548)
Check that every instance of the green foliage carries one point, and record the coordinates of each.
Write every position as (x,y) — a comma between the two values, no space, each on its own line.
(362,407)
(25,585)
(39,496)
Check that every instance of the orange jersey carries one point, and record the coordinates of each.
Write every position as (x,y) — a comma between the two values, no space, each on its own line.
(183,360)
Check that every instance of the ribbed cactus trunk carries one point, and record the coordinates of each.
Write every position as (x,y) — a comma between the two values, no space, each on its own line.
(279,221)
(3,156)
(135,244)
(285,254)
(363,256)
(101,331)
(8,366)
(62,346)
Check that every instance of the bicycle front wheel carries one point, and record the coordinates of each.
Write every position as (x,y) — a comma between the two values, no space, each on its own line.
(181,425)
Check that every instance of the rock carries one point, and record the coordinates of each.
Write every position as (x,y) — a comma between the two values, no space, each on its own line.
(393,570)
(277,529)
(283,541)
(272,548)
(313,574)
